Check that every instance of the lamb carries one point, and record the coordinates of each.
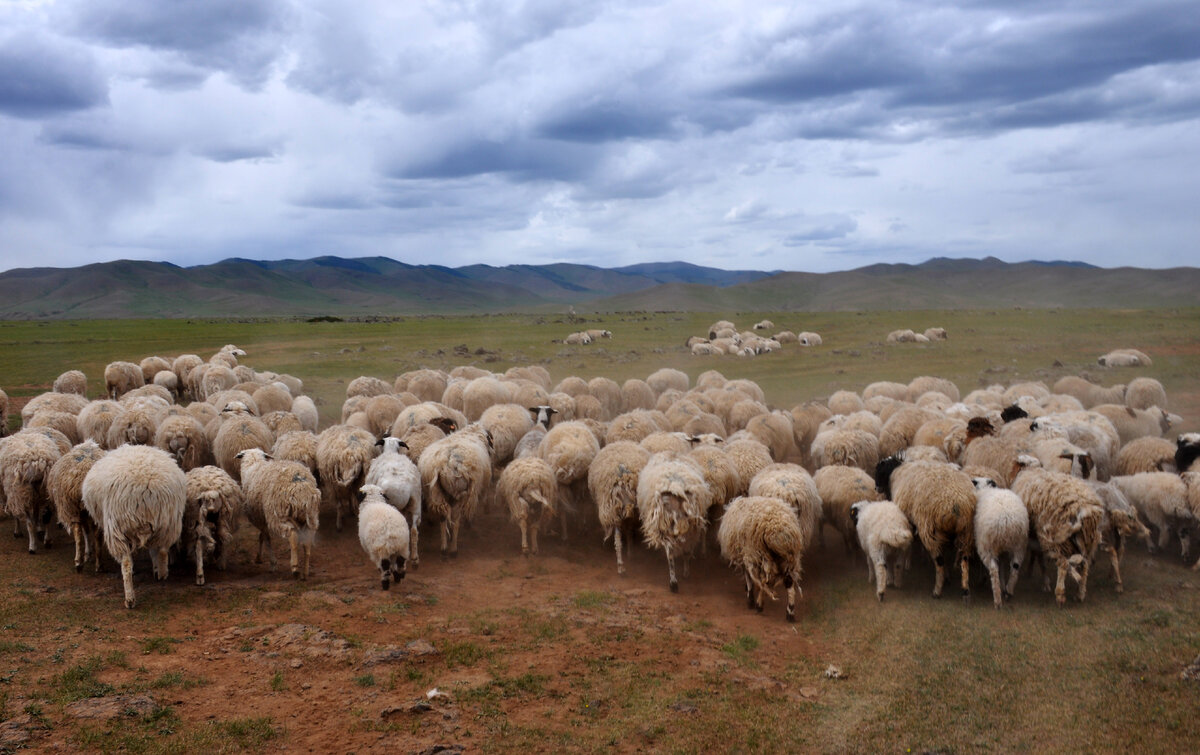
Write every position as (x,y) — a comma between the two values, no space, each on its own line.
(1120,523)
(71,381)
(940,501)
(456,471)
(1065,514)
(481,393)
(762,538)
(764,325)
(238,432)
(383,533)
(886,537)
(1001,533)
(399,481)
(673,502)
(807,338)
(1144,392)
(182,436)
(344,455)
(1161,498)
(122,377)
(281,500)
(64,484)
(210,516)
(527,487)
(1124,358)
(26,459)
(1147,454)
(137,495)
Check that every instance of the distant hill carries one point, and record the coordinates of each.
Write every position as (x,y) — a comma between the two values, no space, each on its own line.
(382,286)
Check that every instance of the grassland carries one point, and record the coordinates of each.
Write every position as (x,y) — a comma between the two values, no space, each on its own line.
(556,653)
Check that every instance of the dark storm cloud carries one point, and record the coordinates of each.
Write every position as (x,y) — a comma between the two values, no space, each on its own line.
(238,37)
(43,76)
(517,160)
(607,120)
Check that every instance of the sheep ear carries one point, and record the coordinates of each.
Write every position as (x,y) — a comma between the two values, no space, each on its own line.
(551,410)
(402,444)
(381,440)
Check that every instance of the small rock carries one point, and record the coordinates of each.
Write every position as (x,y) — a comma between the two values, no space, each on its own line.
(384,655)
(683,706)
(421,647)
(444,750)
(833,672)
(296,663)
(1191,673)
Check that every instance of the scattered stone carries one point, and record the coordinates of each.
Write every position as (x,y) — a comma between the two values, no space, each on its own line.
(683,706)
(421,647)
(833,672)
(296,663)
(444,750)
(15,732)
(318,596)
(108,708)
(389,654)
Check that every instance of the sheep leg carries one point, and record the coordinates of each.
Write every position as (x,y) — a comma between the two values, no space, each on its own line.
(1115,556)
(160,562)
(1084,569)
(880,576)
(338,513)
(898,569)
(524,537)
(1060,588)
(617,546)
(533,536)
(48,529)
(1185,542)
(16,528)
(413,556)
(454,525)
(199,561)
(294,547)
(307,545)
(446,538)
(32,533)
(385,574)
(398,568)
(80,545)
(994,572)
(964,560)
(262,536)
(792,588)
(127,578)
(1164,538)
(671,581)
(749,591)
(1014,571)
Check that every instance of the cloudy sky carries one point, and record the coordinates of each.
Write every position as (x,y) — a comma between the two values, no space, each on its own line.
(801,136)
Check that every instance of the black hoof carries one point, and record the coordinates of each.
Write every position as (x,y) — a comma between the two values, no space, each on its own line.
(674,587)
(758,609)
(384,584)
(295,574)
(937,596)
(791,617)
(78,568)
(454,554)
(32,551)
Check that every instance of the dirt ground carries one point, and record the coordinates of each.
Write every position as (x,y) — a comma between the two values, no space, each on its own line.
(507,642)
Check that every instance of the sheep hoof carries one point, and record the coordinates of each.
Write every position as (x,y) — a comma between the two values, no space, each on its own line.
(295,574)
(758,609)
(200,580)
(32,551)
(78,568)
(453,554)
(414,565)
(937,596)
(791,617)
(966,598)
(384,584)
(17,535)
(674,586)
(879,595)
(129,603)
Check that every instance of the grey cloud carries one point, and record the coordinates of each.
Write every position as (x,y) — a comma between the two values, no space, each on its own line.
(822,229)
(42,76)
(608,120)
(234,152)
(518,160)
(238,37)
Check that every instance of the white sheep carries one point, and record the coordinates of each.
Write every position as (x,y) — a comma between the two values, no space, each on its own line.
(64,484)
(122,377)
(940,501)
(400,482)
(306,411)
(1133,423)
(1147,454)
(1125,358)
(238,431)
(570,448)
(886,537)
(1161,498)
(808,338)
(1120,523)
(1001,534)
(456,471)
(71,381)
(1144,392)
(137,495)
(281,500)
(791,484)
(673,502)
(527,488)
(383,533)
(761,537)
(578,339)
(210,516)
(182,436)
(26,459)
(666,378)
(1088,393)
(612,480)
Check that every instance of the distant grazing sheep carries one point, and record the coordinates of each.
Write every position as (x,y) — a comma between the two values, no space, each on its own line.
(1144,393)
(806,338)
(71,381)
(1125,358)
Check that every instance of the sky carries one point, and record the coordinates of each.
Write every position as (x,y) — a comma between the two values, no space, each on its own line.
(812,136)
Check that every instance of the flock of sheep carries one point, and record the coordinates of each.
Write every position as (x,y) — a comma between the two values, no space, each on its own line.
(180,451)
(724,338)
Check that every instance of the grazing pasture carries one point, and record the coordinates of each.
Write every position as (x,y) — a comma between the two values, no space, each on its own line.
(555,652)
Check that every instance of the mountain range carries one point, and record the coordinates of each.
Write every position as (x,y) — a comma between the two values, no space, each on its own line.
(382,286)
